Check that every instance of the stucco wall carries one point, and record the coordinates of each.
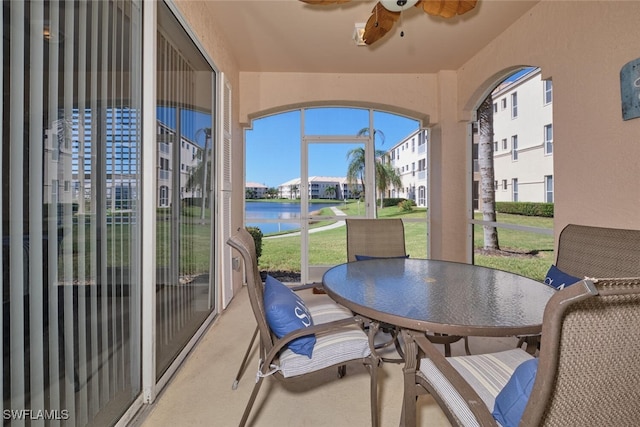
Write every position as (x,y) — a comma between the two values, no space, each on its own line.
(409,94)
(581,46)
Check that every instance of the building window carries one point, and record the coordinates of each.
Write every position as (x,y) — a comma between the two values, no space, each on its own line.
(514,147)
(495,146)
(503,103)
(514,189)
(495,107)
(548,92)
(514,105)
(495,186)
(504,143)
(548,139)
(548,186)
(504,184)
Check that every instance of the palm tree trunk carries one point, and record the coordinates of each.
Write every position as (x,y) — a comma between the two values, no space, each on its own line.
(487,175)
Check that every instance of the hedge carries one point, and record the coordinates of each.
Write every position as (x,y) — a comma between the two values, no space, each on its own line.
(526,208)
(256,233)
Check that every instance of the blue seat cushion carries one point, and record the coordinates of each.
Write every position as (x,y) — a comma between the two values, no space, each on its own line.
(366,257)
(286,312)
(513,398)
(558,278)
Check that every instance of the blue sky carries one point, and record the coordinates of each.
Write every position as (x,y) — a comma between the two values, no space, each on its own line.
(273,144)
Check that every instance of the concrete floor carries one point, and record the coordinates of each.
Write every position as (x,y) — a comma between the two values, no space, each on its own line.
(200,393)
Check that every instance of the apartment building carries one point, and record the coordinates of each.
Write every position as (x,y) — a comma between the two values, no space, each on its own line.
(523,138)
(409,159)
(255,190)
(320,187)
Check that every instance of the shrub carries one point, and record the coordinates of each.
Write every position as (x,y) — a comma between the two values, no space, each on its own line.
(392,201)
(526,208)
(407,205)
(256,233)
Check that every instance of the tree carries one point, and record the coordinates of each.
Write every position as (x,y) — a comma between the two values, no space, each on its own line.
(386,175)
(487,175)
(272,192)
(294,188)
(330,192)
(201,174)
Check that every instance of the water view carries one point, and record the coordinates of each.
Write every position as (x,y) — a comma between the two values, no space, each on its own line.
(258,211)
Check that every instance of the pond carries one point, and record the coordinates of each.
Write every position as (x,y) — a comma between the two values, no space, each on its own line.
(290,211)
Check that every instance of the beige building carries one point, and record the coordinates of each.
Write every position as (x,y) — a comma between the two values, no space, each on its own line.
(523,139)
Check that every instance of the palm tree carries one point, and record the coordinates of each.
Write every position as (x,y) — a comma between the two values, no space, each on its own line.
(487,175)
(293,189)
(376,132)
(330,192)
(201,174)
(272,192)
(386,175)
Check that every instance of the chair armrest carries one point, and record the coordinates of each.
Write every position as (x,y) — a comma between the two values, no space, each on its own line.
(333,326)
(474,402)
(306,286)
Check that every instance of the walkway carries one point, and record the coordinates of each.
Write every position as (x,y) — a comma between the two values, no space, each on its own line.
(339,223)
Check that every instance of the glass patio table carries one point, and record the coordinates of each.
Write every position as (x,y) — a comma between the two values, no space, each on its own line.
(439,297)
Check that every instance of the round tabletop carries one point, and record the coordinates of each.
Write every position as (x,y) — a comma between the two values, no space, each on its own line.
(440,296)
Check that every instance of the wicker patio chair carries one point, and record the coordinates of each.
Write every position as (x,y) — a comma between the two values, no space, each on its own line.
(340,338)
(588,370)
(384,238)
(588,251)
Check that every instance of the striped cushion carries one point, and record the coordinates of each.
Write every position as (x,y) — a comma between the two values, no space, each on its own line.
(330,349)
(486,373)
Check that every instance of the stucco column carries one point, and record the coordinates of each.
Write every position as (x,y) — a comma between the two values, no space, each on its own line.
(448,176)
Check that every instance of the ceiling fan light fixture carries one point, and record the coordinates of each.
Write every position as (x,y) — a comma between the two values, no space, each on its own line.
(397,5)
(358,34)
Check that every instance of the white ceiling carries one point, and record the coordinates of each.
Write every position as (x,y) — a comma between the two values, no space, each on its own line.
(291,36)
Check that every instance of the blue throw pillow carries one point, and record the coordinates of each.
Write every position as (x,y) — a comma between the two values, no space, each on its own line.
(287,312)
(513,398)
(366,257)
(558,278)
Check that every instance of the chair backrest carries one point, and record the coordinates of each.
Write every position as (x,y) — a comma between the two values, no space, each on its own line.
(243,242)
(589,370)
(375,237)
(585,251)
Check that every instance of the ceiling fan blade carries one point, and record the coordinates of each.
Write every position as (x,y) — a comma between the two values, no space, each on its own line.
(379,23)
(466,5)
(323,2)
(447,8)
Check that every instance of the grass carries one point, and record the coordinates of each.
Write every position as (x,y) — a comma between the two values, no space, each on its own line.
(523,253)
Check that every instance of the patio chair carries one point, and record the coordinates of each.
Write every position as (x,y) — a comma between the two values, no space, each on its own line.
(340,338)
(588,251)
(384,238)
(588,371)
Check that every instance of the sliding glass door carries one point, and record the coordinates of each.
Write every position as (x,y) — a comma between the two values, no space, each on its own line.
(185,139)
(70,149)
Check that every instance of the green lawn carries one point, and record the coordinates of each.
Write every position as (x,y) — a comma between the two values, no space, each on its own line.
(525,253)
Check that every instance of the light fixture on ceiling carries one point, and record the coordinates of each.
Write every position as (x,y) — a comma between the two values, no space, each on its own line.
(358,34)
(397,5)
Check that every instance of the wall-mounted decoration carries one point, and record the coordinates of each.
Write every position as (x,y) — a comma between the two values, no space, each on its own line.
(630,89)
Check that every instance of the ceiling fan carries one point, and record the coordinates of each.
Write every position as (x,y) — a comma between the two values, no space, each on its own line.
(387,12)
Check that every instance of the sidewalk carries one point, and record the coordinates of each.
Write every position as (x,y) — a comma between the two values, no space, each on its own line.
(339,223)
